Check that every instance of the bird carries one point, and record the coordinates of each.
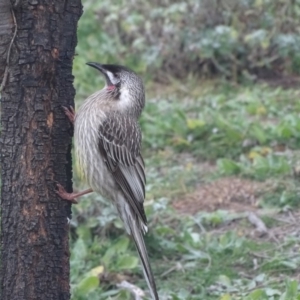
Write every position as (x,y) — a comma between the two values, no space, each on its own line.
(107,142)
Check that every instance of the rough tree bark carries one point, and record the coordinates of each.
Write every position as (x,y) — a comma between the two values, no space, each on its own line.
(35,146)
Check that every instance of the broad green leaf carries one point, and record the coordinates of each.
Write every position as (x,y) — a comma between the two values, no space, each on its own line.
(79,250)
(225,297)
(84,233)
(195,123)
(227,166)
(87,285)
(292,288)
(260,278)
(127,262)
(107,257)
(257,295)
(96,271)
(122,245)
(225,280)
(258,133)
(272,292)
(284,131)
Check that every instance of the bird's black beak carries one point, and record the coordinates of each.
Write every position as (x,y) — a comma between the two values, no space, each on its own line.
(97,66)
(100,68)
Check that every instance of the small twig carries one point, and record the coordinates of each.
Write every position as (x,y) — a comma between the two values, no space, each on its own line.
(133,289)
(245,275)
(199,223)
(8,53)
(261,228)
(219,66)
(177,267)
(258,255)
(287,222)
(257,222)
(291,215)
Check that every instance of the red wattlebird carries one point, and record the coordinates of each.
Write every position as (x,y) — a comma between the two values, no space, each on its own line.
(107,141)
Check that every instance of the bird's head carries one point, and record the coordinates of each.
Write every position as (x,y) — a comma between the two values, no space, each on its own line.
(124,86)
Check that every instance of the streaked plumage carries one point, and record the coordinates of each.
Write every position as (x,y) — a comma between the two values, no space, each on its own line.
(107,142)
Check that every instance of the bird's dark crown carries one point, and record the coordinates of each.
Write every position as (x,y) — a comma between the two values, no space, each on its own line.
(115,69)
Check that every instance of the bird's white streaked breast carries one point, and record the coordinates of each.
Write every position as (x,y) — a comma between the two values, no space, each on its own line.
(86,141)
(124,103)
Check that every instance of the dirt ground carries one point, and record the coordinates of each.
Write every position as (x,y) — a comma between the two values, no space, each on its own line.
(231,193)
(241,196)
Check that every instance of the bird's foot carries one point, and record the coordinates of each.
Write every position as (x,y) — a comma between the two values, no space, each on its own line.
(65,195)
(70,113)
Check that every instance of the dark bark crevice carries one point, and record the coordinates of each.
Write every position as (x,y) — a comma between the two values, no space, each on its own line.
(35,151)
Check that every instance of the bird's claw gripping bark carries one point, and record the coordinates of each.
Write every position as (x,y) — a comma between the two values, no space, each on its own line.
(65,195)
(70,113)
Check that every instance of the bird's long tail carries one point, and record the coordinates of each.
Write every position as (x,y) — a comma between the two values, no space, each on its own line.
(138,238)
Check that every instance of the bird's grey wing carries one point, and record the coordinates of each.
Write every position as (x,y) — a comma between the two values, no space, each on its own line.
(120,144)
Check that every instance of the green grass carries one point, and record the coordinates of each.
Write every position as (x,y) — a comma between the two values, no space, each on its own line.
(216,122)
(201,257)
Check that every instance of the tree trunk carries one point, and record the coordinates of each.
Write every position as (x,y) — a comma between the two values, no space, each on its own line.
(35,147)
